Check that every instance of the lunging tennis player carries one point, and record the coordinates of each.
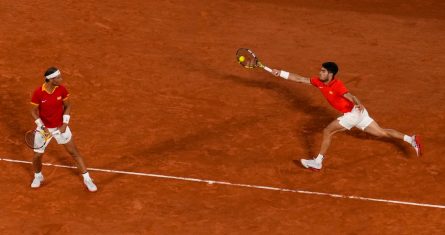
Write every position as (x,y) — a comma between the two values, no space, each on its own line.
(51,111)
(354,113)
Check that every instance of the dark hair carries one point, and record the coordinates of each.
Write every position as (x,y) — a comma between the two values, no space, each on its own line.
(49,71)
(331,67)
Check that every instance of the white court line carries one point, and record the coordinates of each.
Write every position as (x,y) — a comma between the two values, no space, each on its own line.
(241,185)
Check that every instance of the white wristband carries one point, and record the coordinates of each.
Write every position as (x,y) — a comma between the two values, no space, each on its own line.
(66,118)
(284,74)
(39,122)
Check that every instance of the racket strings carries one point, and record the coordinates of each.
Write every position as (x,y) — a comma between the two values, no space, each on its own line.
(36,139)
(29,138)
(246,58)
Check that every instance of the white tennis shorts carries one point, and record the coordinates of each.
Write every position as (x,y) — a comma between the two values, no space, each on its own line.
(355,118)
(61,138)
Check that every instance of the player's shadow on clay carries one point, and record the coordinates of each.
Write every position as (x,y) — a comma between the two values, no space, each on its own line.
(219,130)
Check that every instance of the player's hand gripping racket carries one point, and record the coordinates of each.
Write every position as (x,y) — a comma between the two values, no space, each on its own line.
(36,139)
(249,60)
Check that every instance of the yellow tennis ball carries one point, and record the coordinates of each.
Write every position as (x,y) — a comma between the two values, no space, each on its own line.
(241,59)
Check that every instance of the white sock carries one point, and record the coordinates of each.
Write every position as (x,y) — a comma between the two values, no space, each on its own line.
(319,158)
(408,139)
(86,176)
(38,175)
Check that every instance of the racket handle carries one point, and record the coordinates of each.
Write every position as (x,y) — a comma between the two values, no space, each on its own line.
(267,69)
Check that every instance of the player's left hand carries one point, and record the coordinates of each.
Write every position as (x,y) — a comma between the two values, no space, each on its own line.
(360,107)
(62,128)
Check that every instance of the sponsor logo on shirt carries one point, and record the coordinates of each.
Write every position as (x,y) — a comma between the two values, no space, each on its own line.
(43,101)
(331,93)
(59,97)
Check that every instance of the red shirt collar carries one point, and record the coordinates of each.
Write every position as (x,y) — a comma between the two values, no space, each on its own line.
(49,92)
(332,82)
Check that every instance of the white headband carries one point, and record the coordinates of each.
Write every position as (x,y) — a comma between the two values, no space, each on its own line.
(53,75)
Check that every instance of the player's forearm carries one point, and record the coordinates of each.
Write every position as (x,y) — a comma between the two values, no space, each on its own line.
(298,78)
(35,113)
(66,109)
(352,98)
(355,100)
(290,76)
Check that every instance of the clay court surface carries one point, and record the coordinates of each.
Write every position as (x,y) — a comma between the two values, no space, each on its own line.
(156,89)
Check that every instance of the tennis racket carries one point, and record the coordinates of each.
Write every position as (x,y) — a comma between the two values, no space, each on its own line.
(249,60)
(36,139)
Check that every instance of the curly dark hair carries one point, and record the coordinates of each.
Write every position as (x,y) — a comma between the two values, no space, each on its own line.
(330,67)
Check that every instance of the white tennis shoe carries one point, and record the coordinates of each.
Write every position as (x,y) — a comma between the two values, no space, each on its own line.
(90,185)
(311,164)
(37,181)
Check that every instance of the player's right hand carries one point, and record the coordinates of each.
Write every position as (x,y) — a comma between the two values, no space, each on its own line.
(62,128)
(276,72)
(46,132)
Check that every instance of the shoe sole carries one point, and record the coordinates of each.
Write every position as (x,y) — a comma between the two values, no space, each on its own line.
(308,167)
(41,183)
(89,190)
(419,143)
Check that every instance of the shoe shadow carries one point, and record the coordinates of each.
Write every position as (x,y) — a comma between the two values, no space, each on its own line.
(298,164)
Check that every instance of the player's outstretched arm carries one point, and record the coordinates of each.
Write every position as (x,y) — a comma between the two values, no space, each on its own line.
(291,76)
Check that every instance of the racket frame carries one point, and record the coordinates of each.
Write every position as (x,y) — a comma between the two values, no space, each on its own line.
(46,138)
(255,58)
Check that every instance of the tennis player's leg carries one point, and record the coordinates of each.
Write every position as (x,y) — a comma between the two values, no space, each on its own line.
(37,165)
(374,129)
(71,148)
(66,140)
(316,163)
(328,132)
(37,162)
(38,152)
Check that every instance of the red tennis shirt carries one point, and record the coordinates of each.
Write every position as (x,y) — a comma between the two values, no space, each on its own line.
(50,105)
(333,92)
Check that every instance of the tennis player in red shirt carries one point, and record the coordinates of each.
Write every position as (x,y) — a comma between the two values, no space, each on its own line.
(354,113)
(51,111)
